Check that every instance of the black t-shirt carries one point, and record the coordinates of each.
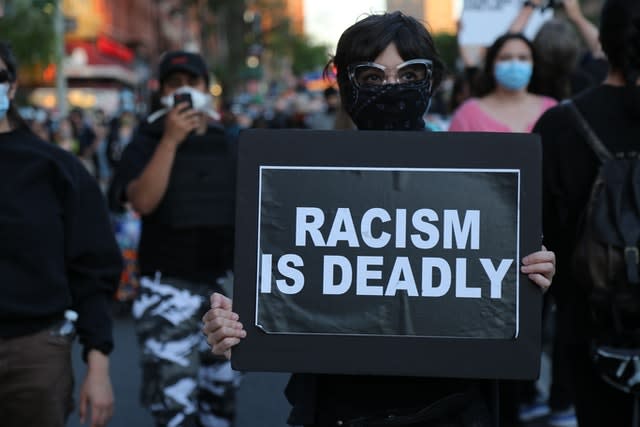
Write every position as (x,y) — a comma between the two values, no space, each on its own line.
(185,236)
(322,399)
(589,73)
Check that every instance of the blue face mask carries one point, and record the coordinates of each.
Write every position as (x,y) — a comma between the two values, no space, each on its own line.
(514,74)
(4,100)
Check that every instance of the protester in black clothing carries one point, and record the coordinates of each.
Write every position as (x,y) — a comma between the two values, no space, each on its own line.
(570,166)
(387,69)
(178,173)
(57,253)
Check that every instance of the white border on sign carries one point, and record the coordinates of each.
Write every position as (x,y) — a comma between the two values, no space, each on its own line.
(350,168)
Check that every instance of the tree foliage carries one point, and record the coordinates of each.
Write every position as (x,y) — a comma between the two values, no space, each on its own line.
(304,55)
(283,42)
(29,26)
(270,32)
(307,56)
(447,45)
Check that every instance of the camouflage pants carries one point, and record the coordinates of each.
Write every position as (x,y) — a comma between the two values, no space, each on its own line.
(183,384)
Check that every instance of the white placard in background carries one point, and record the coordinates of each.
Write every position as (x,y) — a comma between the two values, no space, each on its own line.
(482,21)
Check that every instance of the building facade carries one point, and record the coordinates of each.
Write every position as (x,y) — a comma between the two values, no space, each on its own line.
(439,15)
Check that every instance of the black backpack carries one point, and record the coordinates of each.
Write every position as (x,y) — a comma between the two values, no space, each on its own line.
(606,262)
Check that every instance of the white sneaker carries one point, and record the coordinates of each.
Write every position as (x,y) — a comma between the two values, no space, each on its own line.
(565,418)
(533,411)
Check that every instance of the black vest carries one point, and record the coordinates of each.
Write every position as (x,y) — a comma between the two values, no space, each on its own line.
(201,189)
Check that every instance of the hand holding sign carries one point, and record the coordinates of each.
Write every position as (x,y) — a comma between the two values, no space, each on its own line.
(344,244)
(224,330)
(221,326)
(540,267)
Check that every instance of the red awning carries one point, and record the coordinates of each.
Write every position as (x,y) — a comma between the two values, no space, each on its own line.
(89,60)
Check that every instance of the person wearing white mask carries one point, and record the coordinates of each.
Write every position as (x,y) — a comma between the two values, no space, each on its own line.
(60,266)
(178,173)
(509,102)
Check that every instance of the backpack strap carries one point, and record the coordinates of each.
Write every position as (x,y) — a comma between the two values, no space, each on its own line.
(630,225)
(590,136)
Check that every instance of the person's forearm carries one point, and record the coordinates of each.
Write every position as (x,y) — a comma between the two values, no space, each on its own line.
(98,363)
(146,192)
(518,24)
(589,33)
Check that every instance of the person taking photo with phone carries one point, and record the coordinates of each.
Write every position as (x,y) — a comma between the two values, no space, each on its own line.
(178,173)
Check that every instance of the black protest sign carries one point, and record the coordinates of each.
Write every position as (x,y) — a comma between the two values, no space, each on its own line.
(341,259)
(376,238)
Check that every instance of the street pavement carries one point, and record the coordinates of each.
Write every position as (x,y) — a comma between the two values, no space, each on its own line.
(261,401)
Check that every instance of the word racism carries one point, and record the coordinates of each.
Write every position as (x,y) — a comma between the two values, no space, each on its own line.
(376,229)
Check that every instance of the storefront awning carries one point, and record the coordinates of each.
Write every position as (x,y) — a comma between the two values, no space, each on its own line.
(95,60)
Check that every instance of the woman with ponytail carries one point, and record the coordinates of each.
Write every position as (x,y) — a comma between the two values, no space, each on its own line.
(612,111)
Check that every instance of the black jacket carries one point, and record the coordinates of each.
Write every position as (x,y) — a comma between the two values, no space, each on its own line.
(57,248)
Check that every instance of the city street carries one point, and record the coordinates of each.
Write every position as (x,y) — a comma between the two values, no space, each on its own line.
(261,402)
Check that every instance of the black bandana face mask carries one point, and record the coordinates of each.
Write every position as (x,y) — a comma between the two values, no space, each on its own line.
(389,107)
(375,104)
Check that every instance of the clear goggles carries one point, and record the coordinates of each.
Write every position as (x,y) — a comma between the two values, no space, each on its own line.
(417,72)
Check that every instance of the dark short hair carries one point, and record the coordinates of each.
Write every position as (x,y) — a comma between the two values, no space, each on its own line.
(366,39)
(330,91)
(488,79)
(9,59)
(620,34)
(620,39)
(7,56)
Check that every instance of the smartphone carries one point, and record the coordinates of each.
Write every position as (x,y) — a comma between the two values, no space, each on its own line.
(182,97)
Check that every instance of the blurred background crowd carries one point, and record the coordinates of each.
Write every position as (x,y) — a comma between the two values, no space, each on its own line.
(87,74)
(266,59)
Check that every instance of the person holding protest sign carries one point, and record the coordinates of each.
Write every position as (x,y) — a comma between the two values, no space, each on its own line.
(607,116)
(387,68)
(508,101)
